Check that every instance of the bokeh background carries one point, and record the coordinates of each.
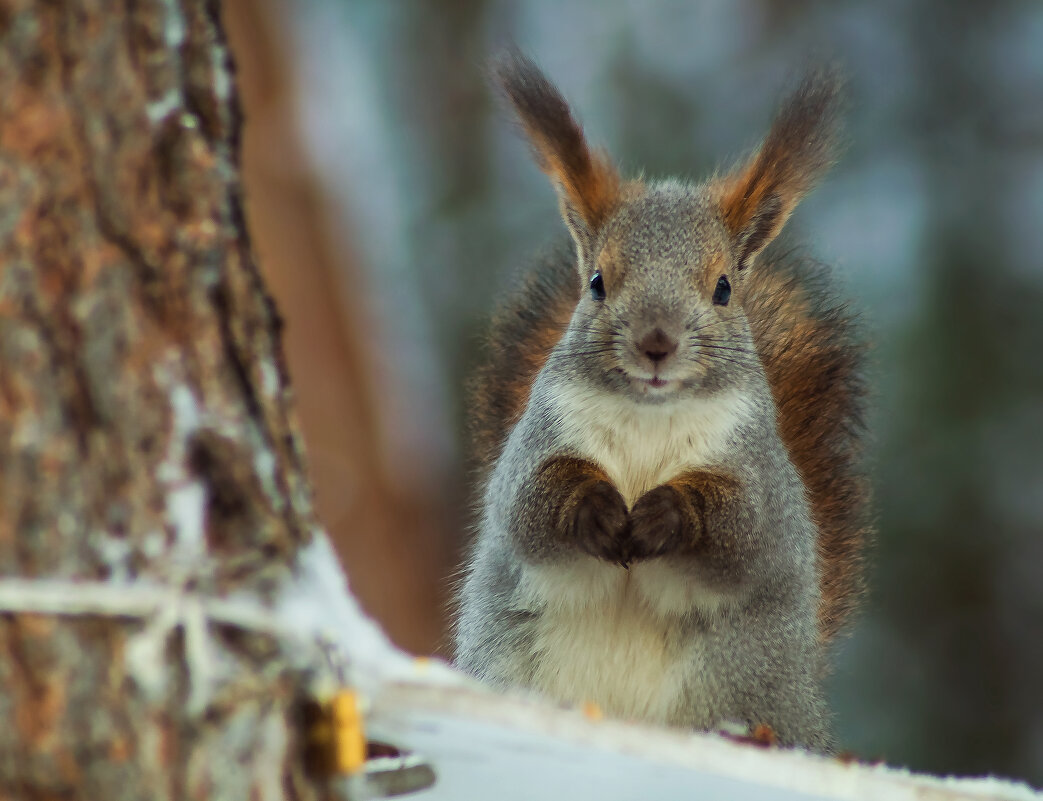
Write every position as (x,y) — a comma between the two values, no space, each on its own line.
(390,200)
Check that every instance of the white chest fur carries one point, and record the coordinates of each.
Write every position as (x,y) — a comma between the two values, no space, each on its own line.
(604,633)
(642,445)
(608,648)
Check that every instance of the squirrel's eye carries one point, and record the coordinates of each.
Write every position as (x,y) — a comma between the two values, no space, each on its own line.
(723,292)
(597,287)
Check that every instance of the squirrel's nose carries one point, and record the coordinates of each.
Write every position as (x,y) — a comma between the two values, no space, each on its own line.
(657,345)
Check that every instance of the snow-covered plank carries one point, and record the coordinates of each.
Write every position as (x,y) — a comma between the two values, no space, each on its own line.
(483,746)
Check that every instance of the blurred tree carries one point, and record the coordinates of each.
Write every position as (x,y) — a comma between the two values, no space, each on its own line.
(393,530)
(942,585)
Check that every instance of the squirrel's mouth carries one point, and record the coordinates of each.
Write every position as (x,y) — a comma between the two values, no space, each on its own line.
(652,386)
(655,385)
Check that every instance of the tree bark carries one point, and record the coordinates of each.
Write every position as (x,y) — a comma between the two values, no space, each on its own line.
(149,460)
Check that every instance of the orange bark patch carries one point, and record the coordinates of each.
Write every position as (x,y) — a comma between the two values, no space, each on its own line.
(38,696)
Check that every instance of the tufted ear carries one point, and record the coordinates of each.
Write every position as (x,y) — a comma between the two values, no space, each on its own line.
(758,198)
(587,183)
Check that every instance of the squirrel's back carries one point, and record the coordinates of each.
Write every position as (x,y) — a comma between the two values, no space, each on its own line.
(806,340)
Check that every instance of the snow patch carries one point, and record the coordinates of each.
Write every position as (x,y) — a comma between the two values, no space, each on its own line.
(28,433)
(317,601)
(222,78)
(116,553)
(269,378)
(271,741)
(185,495)
(153,544)
(186,411)
(264,468)
(186,513)
(315,619)
(174,32)
(159,110)
(145,654)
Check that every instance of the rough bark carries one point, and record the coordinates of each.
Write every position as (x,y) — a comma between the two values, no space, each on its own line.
(145,432)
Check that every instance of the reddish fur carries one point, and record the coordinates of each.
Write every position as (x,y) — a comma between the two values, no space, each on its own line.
(763,734)
(804,337)
(524,330)
(757,199)
(594,189)
(588,182)
(814,368)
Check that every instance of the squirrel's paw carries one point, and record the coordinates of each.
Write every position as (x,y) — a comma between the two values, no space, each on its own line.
(658,524)
(599,522)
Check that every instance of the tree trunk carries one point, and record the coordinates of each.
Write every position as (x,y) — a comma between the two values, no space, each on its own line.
(152,495)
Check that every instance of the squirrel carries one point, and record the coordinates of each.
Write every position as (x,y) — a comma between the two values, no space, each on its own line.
(668,429)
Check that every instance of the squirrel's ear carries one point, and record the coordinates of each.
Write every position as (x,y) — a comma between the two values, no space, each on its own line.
(757,199)
(587,183)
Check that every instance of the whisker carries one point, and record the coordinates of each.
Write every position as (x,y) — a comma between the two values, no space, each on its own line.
(699,338)
(745,365)
(744,351)
(581,353)
(745,358)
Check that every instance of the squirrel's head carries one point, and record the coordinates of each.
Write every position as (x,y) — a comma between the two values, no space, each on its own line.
(663,265)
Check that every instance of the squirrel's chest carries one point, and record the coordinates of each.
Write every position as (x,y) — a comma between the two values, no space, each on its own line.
(614,654)
(640,446)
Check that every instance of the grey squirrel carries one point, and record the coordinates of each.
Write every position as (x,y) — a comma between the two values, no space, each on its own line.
(668,427)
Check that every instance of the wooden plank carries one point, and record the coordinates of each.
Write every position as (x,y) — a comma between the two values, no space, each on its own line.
(484,746)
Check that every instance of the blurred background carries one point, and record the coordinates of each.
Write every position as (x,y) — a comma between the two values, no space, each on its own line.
(390,200)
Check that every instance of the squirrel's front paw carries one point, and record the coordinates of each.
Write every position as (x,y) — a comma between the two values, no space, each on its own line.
(660,524)
(599,522)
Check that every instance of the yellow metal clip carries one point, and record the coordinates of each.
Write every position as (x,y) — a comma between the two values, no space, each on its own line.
(349,736)
(336,738)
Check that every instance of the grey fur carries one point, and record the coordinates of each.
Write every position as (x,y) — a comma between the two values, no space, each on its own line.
(757,659)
